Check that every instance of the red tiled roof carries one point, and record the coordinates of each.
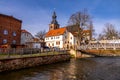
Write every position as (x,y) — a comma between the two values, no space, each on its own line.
(56,32)
(86,31)
(25,31)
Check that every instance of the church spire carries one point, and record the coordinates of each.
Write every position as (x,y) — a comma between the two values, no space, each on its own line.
(54,21)
(54,15)
(54,24)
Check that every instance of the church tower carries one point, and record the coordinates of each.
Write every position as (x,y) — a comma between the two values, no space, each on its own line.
(54,24)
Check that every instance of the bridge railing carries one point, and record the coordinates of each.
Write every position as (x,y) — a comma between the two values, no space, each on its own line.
(113,46)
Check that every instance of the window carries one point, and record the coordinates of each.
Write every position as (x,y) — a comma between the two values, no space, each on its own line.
(52,44)
(14,41)
(5,32)
(4,41)
(57,37)
(49,44)
(71,37)
(47,38)
(14,33)
(58,43)
(65,42)
(51,37)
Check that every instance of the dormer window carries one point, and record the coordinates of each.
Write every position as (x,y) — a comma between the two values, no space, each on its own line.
(5,32)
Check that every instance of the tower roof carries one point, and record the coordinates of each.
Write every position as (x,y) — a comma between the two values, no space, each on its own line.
(54,21)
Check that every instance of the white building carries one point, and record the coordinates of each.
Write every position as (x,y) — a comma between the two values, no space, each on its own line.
(60,37)
(35,43)
(25,37)
(72,40)
(56,38)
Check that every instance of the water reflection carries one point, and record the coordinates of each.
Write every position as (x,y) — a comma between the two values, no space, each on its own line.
(76,69)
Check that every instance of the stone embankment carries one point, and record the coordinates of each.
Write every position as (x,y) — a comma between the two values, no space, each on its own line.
(104,52)
(19,63)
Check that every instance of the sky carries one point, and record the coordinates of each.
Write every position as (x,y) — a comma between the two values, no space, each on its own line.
(36,15)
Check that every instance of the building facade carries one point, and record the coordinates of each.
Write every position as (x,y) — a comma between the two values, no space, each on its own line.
(56,38)
(62,37)
(35,43)
(10,30)
(26,37)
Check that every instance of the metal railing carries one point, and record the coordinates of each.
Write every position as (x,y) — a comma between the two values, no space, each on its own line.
(27,52)
(111,46)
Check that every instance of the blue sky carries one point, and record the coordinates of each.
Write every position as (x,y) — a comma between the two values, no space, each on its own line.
(36,14)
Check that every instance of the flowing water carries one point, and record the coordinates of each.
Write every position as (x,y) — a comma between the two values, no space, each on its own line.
(102,68)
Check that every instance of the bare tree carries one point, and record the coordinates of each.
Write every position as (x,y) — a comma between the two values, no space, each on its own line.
(91,28)
(109,32)
(41,34)
(78,22)
(100,36)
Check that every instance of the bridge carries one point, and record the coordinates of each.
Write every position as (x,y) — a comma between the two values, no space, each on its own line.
(110,46)
(88,53)
(99,49)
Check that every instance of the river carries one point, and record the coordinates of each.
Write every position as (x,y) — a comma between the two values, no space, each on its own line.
(102,68)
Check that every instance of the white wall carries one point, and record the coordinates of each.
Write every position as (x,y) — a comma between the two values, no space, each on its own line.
(71,38)
(36,45)
(26,37)
(54,39)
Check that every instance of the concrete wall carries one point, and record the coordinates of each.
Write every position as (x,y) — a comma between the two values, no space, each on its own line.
(78,54)
(19,63)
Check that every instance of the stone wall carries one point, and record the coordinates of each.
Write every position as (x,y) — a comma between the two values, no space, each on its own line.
(78,54)
(19,63)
